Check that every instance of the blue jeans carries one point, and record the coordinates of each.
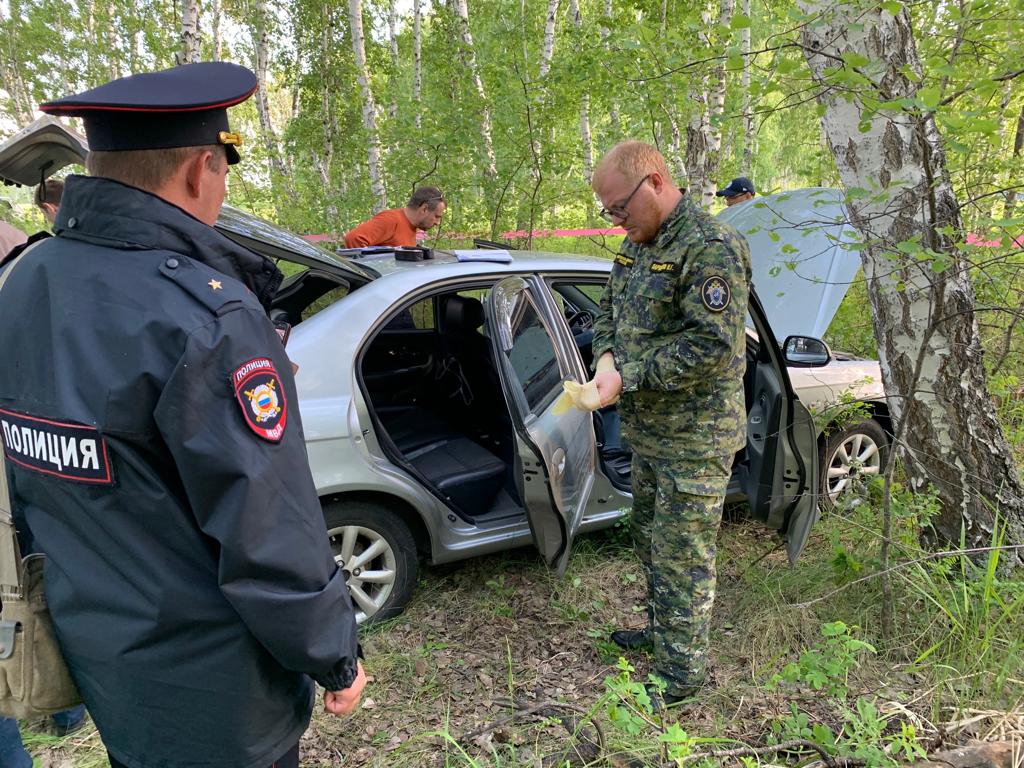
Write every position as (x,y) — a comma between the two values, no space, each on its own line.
(12,750)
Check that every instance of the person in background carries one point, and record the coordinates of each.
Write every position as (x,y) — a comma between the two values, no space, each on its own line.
(739,190)
(669,340)
(398,226)
(47,198)
(10,238)
(189,576)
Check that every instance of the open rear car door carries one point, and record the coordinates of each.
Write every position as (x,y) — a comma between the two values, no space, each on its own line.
(555,453)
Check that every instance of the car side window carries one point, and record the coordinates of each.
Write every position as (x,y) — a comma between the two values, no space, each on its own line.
(533,359)
(332,296)
(418,317)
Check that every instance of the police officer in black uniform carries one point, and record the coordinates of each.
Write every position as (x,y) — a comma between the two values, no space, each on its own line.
(152,436)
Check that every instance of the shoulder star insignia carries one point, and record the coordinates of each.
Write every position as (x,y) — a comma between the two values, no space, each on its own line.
(215,284)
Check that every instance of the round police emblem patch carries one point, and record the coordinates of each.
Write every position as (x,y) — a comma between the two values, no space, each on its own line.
(258,390)
(715,293)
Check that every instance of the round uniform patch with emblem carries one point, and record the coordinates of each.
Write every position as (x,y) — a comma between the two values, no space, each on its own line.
(715,293)
(258,390)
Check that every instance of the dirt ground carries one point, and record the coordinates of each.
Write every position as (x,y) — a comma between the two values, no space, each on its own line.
(486,639)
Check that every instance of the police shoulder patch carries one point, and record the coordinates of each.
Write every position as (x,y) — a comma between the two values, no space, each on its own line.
(715,293)
(258,390)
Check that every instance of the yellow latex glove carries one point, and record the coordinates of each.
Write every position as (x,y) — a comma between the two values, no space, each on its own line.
(582,397)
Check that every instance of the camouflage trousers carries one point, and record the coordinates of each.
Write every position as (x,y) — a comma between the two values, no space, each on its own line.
(677,509)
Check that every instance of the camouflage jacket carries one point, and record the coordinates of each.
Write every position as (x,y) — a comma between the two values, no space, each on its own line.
(673,315)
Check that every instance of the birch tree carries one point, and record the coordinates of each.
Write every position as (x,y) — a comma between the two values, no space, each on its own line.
(586,139)
(395,63)
(190,38)
(704,134)
(469,56)
(355,15)
(890,156)
(259,27)
(417,62)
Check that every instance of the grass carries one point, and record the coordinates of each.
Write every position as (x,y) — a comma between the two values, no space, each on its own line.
(483,637)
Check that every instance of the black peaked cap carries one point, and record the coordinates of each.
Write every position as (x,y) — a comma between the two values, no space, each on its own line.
(184,106)
(737,186)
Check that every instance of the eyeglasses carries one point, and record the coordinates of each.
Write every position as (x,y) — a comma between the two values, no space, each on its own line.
(619,211)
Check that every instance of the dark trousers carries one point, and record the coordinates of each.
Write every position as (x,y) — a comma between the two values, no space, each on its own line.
(289,759)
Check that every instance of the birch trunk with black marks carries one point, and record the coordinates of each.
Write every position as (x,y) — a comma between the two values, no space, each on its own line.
(703,135)
(469,56)
(924,317)
(190,39)
(606,31)
(218,43)
(747,151)
(548,51)
(323,160)
(586,139)
(355,13)
(261,45)
(393,44)
(417,62)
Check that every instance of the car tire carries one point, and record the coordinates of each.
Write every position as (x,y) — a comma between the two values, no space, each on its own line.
(360,529)
(848,457)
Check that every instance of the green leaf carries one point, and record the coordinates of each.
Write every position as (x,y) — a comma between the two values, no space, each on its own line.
(854,59)
(892,7)
(739,21)
(929,96)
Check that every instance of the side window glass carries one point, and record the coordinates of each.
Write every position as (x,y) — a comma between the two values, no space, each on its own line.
(533,359)
(333,295)
(418,317)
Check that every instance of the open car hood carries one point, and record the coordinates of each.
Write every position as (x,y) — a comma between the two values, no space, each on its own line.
(801,268)
(44,147)
(38,151)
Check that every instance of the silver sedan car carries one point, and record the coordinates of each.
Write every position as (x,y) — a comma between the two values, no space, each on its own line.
(427,383)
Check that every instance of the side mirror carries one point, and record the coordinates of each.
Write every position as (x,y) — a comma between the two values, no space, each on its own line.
(806,352)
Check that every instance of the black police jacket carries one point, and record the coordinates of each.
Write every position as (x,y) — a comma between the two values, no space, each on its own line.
(152,436)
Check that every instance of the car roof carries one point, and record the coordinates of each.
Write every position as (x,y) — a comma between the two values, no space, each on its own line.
(445,263)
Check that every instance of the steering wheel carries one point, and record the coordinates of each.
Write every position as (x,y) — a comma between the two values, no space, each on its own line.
(583,318)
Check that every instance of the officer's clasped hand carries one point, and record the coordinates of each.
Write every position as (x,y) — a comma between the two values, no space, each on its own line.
(344,702)
(607,380)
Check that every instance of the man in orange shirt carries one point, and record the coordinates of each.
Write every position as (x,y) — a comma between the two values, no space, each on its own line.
(397,226)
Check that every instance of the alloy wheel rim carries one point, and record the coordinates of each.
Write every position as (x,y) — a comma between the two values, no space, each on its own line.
(370,567)
(853,459)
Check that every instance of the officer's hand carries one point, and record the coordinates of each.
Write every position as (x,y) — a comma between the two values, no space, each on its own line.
(344,702)
(609,386)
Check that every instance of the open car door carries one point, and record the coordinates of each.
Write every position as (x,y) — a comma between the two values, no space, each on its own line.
(779,474)
(555,453)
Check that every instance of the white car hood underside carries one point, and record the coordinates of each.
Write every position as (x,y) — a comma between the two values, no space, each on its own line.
(801,268)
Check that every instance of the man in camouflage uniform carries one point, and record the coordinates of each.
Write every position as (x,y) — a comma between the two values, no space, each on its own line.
(670,341)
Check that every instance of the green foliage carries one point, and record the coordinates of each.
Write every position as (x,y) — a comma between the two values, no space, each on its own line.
(826,667)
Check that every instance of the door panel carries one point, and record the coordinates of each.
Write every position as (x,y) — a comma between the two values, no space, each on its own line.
(780,470)
(555,453)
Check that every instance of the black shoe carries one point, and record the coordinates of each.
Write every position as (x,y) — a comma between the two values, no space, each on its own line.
(632,639)
(64,729)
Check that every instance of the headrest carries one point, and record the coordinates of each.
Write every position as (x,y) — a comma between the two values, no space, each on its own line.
(462,313)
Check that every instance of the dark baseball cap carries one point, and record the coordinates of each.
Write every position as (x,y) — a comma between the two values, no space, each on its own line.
(737,186)
(183,106)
